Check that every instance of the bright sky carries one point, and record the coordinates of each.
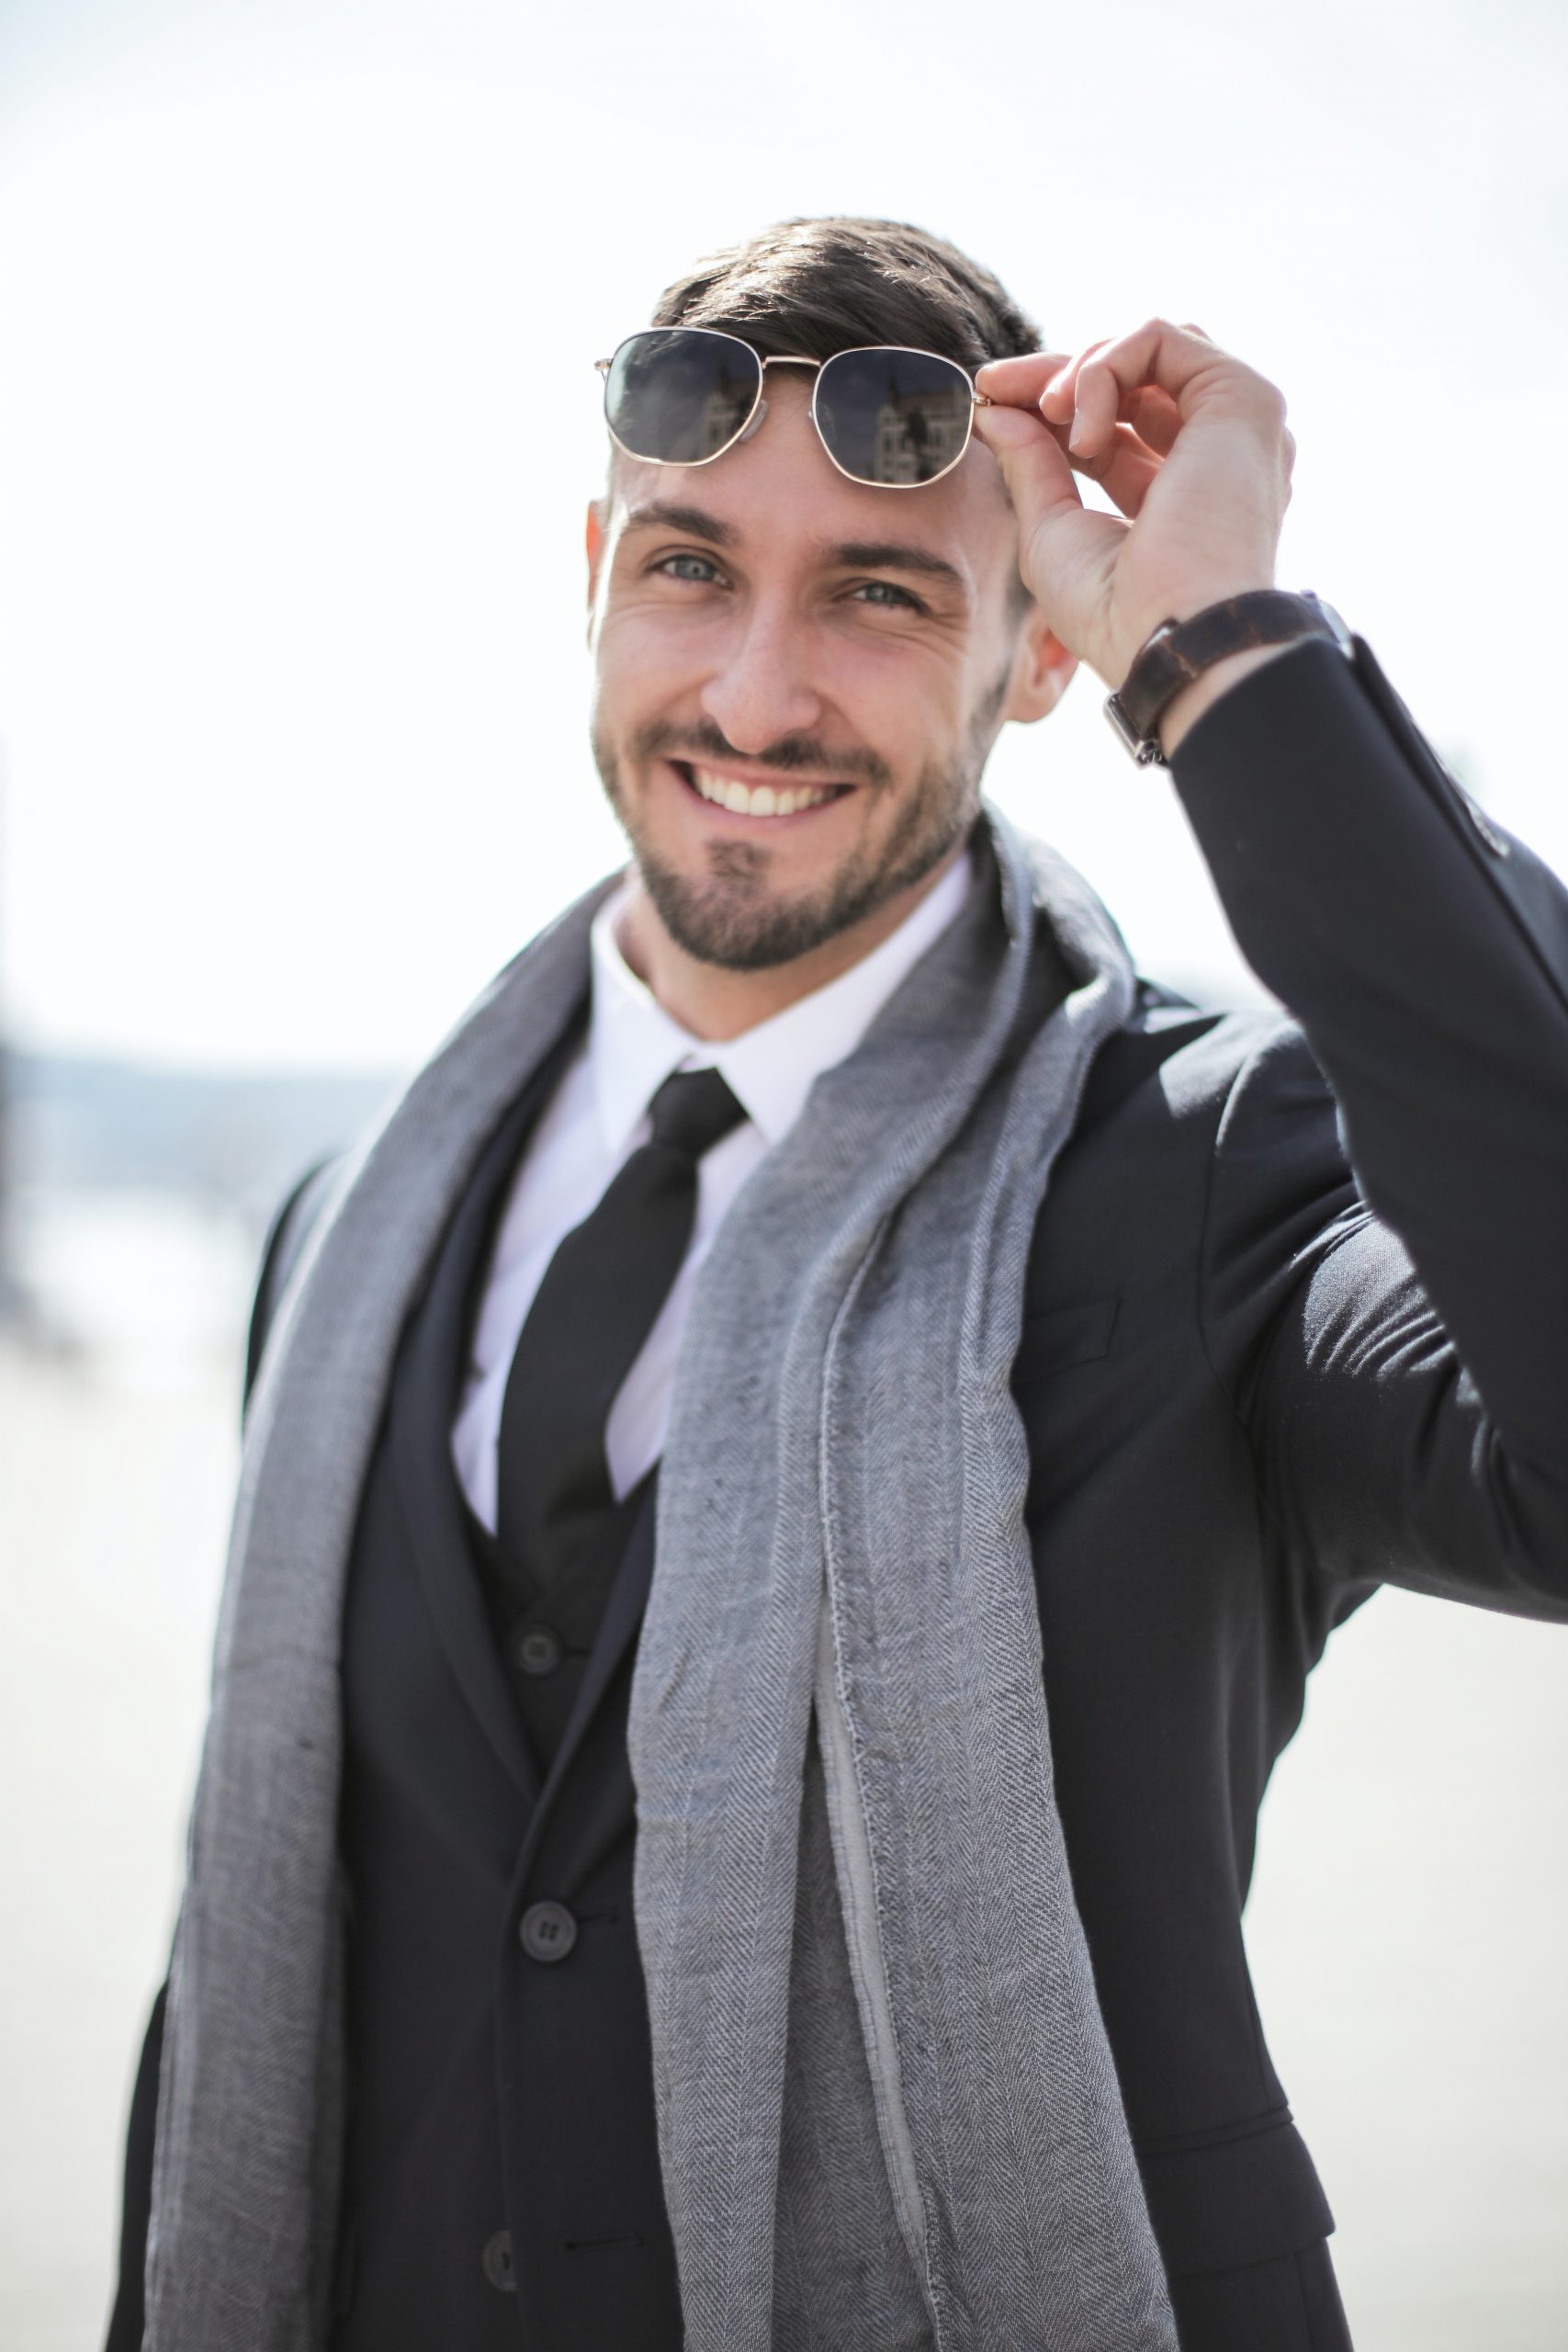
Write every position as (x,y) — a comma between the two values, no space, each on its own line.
(297,419)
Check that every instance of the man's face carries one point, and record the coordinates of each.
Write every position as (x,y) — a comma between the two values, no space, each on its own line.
(798,679)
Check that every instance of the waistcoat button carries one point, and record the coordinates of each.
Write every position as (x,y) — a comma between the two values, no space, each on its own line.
(497,2260)
(547,1931)
(536,1649)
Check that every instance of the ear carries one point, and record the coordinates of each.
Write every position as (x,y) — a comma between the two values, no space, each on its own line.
(1040,670)
(596,537)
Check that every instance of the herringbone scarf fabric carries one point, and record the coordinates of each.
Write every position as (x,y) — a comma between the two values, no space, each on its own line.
(888,2115)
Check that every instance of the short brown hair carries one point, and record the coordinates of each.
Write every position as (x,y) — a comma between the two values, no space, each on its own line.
(817,287)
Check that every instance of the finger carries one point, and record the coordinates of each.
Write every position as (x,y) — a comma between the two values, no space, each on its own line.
(1152,412)
(1019,382)
(1125,470)
(1061,390)
(1035,468)
(1056,401)
(1186,367)
(1036,378)
(1058,398)
(1154,417)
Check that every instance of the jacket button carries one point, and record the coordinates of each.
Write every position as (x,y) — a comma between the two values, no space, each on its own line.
(547,1931)
(536,1649)
(497,2260)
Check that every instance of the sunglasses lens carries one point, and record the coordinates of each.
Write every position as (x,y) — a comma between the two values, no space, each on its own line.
(680,394)
(894,416)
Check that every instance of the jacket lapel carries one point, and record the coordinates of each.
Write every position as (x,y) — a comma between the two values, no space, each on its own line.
(424,1392)
(423,1408)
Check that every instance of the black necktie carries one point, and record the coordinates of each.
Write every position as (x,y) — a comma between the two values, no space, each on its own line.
(599,1300)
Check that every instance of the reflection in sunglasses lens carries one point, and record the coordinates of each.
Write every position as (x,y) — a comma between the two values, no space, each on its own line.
(677,395)
(893,416)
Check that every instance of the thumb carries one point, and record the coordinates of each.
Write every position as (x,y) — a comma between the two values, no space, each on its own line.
(1035,467)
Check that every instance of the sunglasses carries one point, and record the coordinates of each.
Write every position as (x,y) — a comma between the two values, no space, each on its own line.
(682,396)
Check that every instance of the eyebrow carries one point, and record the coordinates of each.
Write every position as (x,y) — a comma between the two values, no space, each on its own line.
(854,555)
(893,554)
(694,521)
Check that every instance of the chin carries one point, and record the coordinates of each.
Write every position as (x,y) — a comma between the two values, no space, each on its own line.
(730,917)
(743,926)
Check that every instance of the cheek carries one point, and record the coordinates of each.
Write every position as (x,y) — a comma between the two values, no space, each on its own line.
(906,700)
(641,662)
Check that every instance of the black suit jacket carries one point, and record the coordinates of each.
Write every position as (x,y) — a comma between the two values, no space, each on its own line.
(1296,1324)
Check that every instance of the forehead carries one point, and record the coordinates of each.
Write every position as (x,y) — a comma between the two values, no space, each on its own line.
(780,491)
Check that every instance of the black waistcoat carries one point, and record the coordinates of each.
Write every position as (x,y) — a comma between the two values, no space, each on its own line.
(501,2183)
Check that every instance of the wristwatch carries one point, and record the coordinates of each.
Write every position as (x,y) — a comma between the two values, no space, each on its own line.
(1179,651)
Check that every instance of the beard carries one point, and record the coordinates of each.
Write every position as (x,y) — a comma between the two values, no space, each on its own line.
(729,915)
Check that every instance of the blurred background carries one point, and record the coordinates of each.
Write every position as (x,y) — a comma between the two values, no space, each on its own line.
(297,418)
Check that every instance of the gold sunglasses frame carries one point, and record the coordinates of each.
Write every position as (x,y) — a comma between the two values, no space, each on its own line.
(758,408)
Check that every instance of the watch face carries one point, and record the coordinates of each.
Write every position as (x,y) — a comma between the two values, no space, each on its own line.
(1144,749)
(1341,634)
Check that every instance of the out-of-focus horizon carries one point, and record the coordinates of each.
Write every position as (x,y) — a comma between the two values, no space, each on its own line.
(297,421)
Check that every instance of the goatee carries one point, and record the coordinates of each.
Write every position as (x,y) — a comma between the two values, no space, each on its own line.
(730,915)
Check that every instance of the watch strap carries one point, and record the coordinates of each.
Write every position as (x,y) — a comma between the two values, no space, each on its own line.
(1179,651)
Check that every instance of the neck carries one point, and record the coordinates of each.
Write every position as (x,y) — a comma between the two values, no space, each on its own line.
(715,1004)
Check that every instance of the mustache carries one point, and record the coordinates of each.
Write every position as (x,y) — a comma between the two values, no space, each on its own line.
(791,755)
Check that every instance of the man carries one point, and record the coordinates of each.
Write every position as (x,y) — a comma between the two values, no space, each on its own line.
(792,1490)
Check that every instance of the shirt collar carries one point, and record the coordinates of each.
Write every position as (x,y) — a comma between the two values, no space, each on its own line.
(634,1045)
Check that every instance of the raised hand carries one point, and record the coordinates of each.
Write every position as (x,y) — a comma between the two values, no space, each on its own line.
(1192,446)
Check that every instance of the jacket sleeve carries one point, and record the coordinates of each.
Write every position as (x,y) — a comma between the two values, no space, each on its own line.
(1386,1273)
(127,2320)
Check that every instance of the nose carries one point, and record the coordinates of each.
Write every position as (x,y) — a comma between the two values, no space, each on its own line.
(761,689)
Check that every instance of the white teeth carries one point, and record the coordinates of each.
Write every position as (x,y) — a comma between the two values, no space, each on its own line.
(756,800)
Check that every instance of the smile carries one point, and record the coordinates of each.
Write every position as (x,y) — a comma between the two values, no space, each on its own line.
(742,799)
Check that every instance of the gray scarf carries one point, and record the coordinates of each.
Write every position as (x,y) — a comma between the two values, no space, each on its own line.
(888,2116)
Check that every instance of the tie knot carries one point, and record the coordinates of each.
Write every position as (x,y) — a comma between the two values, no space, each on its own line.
(691,1110)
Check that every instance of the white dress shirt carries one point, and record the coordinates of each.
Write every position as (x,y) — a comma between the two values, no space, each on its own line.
(596,1118)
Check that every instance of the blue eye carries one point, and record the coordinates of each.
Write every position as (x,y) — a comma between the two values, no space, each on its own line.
(883,591)
(699,568)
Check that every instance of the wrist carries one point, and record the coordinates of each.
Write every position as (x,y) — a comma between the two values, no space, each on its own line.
(1179,604)
(1184,710)
(1190,660)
